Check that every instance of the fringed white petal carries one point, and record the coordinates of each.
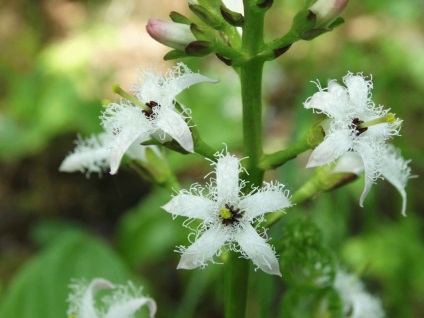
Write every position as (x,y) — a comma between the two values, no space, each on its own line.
(371,154)
(81,300)
(186,79)
(163,89)
(126,307)
(396,170)
(330,149)
(332,102)
(258,250)
(359,89)
(121,145)
(269,199)
(227,179)
(173,124)
(204,248)
(191,206)
(350,162)
(90,155)
(127,124)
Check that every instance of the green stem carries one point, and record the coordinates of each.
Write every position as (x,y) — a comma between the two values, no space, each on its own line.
(237,271)
(201,147)
(322,180)
(236,283)
(312,139)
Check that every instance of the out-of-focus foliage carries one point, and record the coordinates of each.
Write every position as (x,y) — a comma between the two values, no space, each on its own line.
(57,63)
(40,288)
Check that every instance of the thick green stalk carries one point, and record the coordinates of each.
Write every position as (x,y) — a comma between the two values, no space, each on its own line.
(250,71)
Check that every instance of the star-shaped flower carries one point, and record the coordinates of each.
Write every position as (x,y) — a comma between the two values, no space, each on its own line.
(393,167)
(228,217)
(92,154)
(122,303)
(356,301)
(159,119)
(355,125)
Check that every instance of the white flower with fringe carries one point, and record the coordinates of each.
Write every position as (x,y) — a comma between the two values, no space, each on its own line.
(122,302)
(92,154)
(229,218)
(394,168)
(356,125)
(152,112)
(356,301)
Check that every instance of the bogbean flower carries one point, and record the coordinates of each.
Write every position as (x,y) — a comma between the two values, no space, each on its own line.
(123,302)
(357,303)
(355,124)
(92,154)
(394,168)
(152,112)
(228,217)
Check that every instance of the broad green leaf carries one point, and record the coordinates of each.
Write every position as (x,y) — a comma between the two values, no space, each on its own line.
(40,288)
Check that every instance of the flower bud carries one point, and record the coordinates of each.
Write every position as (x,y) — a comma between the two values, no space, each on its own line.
(327,11)
(174,35)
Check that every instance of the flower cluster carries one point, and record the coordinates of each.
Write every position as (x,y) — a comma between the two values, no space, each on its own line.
(228,217)
(152,113)
(357,130)
(124,301)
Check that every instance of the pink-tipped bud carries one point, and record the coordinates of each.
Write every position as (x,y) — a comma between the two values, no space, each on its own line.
(327,11)
(174,35)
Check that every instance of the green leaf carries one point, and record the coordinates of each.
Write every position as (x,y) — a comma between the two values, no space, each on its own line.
(40,288)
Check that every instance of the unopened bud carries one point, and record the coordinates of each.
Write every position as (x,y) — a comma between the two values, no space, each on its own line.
(327,11)
(175,35)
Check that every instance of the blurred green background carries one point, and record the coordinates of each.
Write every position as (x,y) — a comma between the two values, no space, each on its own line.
(58,60)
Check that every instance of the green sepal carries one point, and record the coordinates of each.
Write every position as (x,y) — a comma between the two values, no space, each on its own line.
(313,33)
(172,144)
(199,48)
(174,54)
(179,18)
(265,4)
(202,32)
(206,16)
(234,18)
(336,23)
(303,21)
(151,142)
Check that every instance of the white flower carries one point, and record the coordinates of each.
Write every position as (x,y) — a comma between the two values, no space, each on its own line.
(394,168)
(122,303)
(93,154)
(357,303)
(228,216)
(355,125)
(157,92)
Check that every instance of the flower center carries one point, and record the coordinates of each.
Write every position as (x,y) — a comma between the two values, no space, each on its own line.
(149,113)
(230,215)
(360,126)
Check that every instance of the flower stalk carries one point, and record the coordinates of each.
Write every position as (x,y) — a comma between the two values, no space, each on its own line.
(251,92)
